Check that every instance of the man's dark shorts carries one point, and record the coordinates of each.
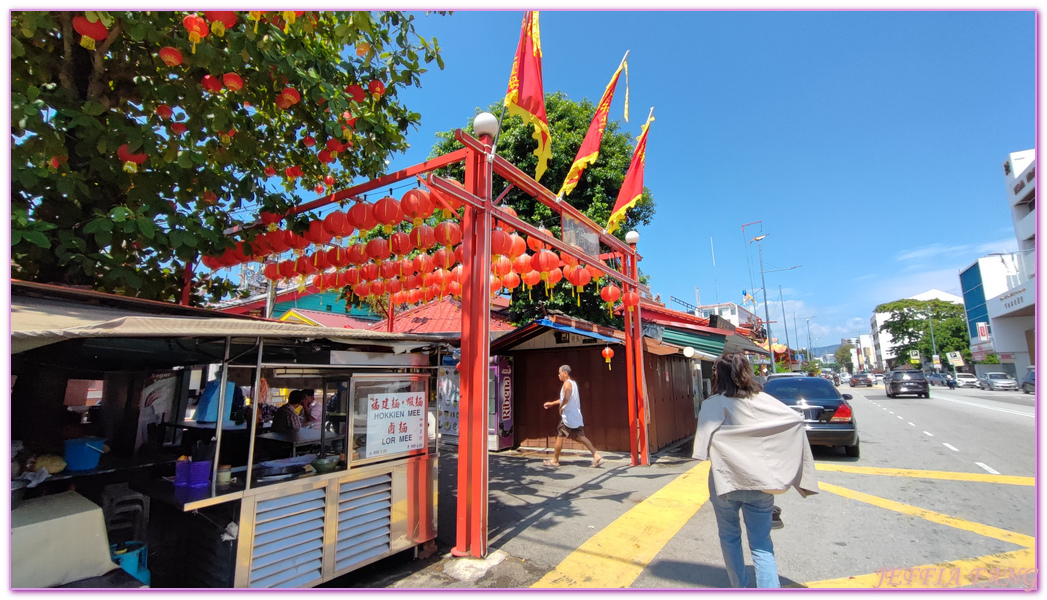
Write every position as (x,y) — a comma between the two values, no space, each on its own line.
(565,431)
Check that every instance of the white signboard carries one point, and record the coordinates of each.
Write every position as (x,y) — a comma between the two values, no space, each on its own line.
(983,331)
(395,423)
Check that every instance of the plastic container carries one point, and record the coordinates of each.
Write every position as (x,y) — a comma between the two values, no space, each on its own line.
(83,453)
(225,474)
(132,557)
(199,473)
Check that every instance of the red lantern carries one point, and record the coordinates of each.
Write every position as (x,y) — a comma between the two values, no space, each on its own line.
(309,141)
(458,250)
(401,243)
(416,205)
(369,272)
(280,240)
(414,296)
(293,172)
(389,268)
(91,31)
(377,88)
(423,237)
(522,264)
(581,279)
(320,261)
(596,273)
(443,258)
(334,146)
(501,266)
(535,244)
(361,216)
(356,92)
(131,161)
(448,233)
(287,269)
(324,156)
(377,287)
(270,218)
(357,254)
(328,180)
(337,224)
(338,257)
(505,226)
(362,290)
(423,263)
(554,278)
(519,247)
(545,262)
(393,285)
(442,277)
(221,20)
(532,278)
(304,266)
(298,242)
(319,189)
(413,282)
(171,56)
(510,280)
(288,97)
(387,211)
(431,292)
(456,274)
(348,277)
(630,299)
(233,81)
(610,294)
(501,243)
(378,249)
(164,111)
(197,28)
(178,128)
(272,271)
(607,354)
(406,267)
(494,282)
(317,233)
(211,262)
(270,171)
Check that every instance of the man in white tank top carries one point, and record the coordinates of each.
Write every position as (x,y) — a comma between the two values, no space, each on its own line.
(570,419)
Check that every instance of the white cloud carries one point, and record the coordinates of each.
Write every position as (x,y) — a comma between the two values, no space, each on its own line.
(957,251)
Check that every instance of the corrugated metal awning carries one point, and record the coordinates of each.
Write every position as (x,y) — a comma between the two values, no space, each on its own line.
(568,328)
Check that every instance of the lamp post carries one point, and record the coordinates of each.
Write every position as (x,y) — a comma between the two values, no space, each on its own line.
(766,312)
(934,347)
(810,348)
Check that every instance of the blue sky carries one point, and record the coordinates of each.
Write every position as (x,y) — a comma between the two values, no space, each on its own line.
(869,144)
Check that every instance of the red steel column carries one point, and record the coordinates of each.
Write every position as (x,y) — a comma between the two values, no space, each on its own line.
(630,372)
(641,407)
(472,441)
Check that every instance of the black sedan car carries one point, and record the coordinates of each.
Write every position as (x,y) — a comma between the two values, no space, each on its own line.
(827,416)
(861,379)
(907,382)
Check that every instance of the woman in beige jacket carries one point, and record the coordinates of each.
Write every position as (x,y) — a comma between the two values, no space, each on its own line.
(758,448)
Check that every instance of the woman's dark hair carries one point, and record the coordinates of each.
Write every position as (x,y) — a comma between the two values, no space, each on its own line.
(733,377)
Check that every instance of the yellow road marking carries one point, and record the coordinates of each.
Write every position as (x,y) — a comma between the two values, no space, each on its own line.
(952,475)
(1014,566)
(906,509)
(617,555)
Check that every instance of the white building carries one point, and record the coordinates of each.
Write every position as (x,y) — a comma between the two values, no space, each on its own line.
(882,343)
(983,280)
(1012,314)
(729,311)
(866,361)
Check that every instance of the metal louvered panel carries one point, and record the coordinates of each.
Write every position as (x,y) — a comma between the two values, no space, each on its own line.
(287,549)
(364,520)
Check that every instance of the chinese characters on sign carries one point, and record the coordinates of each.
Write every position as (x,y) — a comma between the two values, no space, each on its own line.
(395,423)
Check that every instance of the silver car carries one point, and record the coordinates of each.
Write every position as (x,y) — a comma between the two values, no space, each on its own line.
(997,381)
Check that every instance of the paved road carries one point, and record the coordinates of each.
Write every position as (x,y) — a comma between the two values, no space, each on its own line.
(942,484)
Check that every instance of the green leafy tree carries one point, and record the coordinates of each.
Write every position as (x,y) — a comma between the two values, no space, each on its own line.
(843,357)
(594,196)
(125,166)
(909,324)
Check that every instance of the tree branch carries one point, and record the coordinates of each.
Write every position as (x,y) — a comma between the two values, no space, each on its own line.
(95,88)
(65,70)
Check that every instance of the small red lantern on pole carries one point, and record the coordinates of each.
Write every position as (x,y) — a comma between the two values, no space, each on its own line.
(197,28)
(607,354)
(630,299)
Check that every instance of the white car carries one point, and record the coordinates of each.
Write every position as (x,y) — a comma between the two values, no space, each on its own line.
(998,381)
(878,378)
(966,380)
(845,377)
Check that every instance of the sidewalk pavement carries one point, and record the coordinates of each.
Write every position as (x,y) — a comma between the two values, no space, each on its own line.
(540,517)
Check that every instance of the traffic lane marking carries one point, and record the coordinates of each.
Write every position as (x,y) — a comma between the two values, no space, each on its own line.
(929,433)
(973,571)
(975,404)
(988,468)
(929,515)
(921,474)
(616,555)
(951,447)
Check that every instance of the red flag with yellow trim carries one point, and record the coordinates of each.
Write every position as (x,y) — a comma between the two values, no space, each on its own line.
(632,187)
(590,148)
(524,96)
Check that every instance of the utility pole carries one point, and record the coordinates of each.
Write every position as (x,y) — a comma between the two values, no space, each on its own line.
(810,349)
(796,330)
(766,312)
(785,324)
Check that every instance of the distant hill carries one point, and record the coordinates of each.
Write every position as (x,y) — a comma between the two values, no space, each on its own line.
(823,350)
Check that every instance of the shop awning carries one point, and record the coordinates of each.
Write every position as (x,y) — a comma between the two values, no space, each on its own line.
(709,343)
(37,322)
(568,328)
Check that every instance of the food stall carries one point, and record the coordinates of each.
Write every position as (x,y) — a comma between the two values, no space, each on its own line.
(273,515)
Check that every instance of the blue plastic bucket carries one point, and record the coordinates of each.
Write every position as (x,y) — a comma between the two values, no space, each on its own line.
(199,473)
(83,453)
